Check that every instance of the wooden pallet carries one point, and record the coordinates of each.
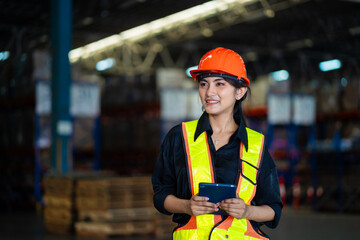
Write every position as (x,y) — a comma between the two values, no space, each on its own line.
(100,204)
(114,193)
(58,228)
(115,215)
(61,182)
(128,195)
(59,186)
(58,202)
(114,229)
(115,182)
(66,183)
(59,215)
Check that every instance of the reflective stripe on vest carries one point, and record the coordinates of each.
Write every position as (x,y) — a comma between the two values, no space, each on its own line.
(200,169)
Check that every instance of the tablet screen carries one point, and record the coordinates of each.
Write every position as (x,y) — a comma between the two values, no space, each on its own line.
(216,192)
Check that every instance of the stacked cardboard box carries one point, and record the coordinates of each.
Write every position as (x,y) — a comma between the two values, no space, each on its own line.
(114,206)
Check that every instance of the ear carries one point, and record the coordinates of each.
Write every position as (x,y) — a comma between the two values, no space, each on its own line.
(240,92)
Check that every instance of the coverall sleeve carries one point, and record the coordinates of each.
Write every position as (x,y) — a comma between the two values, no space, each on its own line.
(268,191)
(163,178)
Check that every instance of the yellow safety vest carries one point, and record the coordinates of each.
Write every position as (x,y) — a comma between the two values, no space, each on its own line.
(200,169)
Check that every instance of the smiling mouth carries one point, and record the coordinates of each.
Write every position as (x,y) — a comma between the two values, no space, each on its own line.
(212,101)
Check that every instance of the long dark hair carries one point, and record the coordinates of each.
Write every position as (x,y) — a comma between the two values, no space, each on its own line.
(238,113)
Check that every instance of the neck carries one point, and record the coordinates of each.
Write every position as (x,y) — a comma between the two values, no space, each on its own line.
(222,123)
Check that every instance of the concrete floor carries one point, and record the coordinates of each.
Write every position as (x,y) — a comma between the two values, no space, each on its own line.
(301,225)
(316,226)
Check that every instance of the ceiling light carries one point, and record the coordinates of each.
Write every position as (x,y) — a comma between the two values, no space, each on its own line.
(4,55)
(105,64)
(207,32)
(280,75)
(330,65)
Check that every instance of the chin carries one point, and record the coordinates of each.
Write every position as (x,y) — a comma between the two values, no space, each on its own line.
(211,111)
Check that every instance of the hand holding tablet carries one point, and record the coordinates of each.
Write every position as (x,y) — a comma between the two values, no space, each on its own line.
(216,192)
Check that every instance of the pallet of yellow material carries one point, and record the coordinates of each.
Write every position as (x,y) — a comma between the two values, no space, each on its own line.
(97,191)
(115,183)
(115,193)
(58,215)
(116,196)
(59,202)
(113,215)
(114,229)
(59,221)
(101,204)
(58,228)
(61,186)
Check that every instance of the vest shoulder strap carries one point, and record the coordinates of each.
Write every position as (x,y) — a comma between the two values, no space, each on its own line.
(250,164)
(255,148)
(199,162)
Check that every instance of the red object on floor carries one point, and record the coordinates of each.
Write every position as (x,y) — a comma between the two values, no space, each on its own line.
(282,190)
(296,193)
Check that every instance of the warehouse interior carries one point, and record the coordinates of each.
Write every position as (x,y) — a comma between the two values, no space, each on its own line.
(89,89)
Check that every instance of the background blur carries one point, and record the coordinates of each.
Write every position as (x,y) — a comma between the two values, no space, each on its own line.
(89,89)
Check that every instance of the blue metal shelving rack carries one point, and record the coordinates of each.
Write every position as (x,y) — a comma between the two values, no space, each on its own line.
(292,150)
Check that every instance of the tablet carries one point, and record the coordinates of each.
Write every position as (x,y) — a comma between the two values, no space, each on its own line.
(216,192)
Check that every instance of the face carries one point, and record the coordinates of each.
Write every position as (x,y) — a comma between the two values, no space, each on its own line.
(218,96)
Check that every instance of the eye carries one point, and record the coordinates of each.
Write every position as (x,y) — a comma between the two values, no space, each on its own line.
(220,83)
(202,84)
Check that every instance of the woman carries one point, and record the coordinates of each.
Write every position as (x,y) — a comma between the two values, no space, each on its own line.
(218,148)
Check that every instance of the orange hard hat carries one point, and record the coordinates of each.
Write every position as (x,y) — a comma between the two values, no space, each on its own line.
(223,61)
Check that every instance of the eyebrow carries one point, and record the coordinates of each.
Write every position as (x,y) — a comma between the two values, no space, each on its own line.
(217,79)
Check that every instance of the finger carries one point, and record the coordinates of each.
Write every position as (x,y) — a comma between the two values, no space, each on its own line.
(233,203)
(227,207)
(204,210)
(232,206)
(205,204)
(233,200)
(200,199)
(233,210)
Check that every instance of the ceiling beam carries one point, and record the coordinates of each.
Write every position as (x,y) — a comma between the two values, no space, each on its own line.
(144,42)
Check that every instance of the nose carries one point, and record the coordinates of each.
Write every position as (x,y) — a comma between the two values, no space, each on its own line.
(211,90)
